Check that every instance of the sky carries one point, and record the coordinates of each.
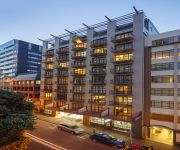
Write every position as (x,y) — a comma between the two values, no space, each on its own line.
(31,19)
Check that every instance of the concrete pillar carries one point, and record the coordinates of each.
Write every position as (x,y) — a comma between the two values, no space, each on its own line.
(111,30)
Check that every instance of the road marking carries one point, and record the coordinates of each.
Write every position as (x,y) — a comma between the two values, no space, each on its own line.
(84,136)
(46,143)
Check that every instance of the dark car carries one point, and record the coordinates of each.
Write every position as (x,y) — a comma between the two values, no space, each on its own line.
(108,140)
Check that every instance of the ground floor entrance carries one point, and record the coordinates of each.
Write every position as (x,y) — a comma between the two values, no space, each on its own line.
(161,134)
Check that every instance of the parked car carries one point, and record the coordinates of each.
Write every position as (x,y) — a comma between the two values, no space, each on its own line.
(108,140)
(73,129)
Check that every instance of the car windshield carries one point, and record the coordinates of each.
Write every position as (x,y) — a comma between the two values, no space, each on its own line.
(113,139)
(74,127)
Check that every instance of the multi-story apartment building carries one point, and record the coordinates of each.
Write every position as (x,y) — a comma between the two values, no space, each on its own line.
(18,57)
(98,72)
(164,97)
(29,86)
(6,83)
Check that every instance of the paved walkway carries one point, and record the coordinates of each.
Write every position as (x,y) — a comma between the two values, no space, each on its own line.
(123,136)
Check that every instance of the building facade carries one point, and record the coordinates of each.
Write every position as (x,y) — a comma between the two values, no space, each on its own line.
(98,72)
(29,86)
(18,57)
(164,118)
(6,83)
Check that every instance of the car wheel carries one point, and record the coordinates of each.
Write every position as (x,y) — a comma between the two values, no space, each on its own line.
(72,132)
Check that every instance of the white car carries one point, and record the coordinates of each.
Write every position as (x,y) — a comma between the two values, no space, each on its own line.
(73,129)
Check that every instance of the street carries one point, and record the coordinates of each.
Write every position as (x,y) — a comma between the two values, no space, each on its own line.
(49,132)
(47,137)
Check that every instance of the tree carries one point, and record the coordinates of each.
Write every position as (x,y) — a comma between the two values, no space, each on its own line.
(15,118)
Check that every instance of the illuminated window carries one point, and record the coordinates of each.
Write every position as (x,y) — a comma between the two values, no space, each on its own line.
(162,54)
(49,66)
(65,64)
(80,71)
(123,57)
(27,82)
(80,54)
(50,59)
(32,82)
(38,81)
(100,50)
(48,95)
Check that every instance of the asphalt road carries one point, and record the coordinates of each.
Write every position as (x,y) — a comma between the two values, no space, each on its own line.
(47,137)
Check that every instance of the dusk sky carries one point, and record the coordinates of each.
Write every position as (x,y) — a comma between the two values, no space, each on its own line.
(31,19)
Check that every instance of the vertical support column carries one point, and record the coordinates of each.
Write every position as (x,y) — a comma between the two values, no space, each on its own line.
(138,73)
(175,90)
(55,71)
(90,33)
(70,69)
(111,30)
(45,47)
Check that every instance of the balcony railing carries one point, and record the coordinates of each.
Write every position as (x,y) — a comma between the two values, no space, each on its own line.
(121,61)
(120,92)
(62,83)
(78,57)
(98,62)
(130,71)
(62,50)
(97,72)
(78,92)
(97,82)
(75,100)
(97,91)
(62,74)
(79,82)
(77,74)
(115,103)
(62,59)
(122,50)
(122,39)
(98,43)
(79,47)
(124,82)
(47,61)
(48,53)
(97,102)
(93,53)
(47,75)
(78,64)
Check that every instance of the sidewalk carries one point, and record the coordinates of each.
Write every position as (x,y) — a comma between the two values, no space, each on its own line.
(119,135)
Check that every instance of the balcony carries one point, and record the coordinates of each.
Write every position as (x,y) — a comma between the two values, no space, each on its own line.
(115,103)
(97,82)
(122,50)
(79,47)
(93,53)
(60,90)
(98,43)
(78,57)
(47,61)
(78,65)
(62,50)
(122,38)
(47,90)
(115,92)
(61,67)
(78,92)
(78,82)
(64,74)
(47,75)
(123,72)
(97,92)
(129,61)
(97,102)
(75,100)
(61,83)
(77,74)
(47,69)
(97,72)
(61,59)
(48,53)
(122,82)
(95,63)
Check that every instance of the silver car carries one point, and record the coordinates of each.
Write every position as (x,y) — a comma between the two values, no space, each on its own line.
(73,129)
